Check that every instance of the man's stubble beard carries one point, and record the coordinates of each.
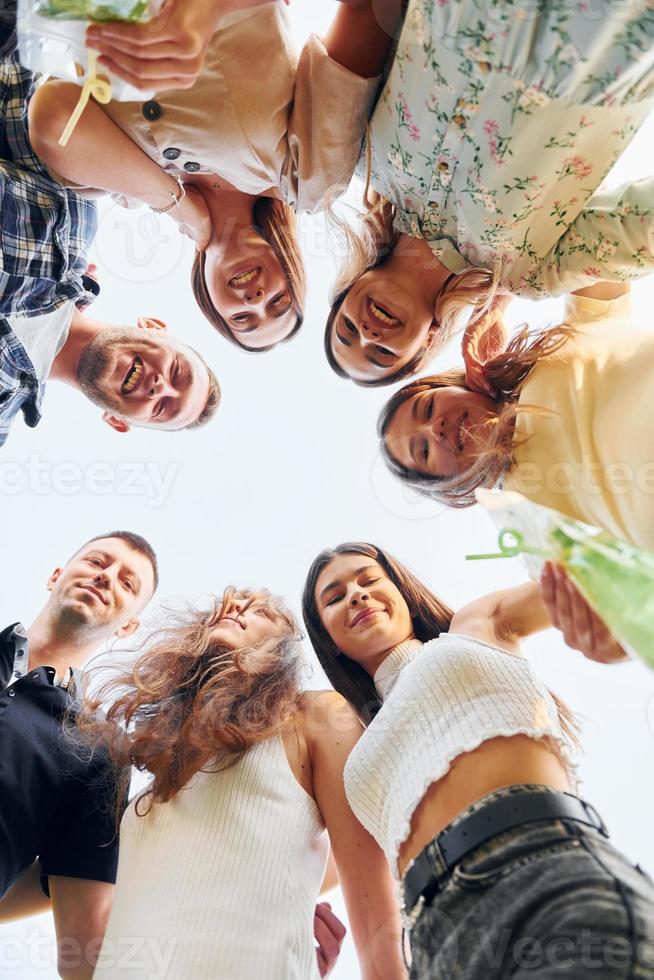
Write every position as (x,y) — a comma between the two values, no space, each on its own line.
(96,360)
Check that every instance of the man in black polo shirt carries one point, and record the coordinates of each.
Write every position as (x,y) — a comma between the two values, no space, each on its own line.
(57,803)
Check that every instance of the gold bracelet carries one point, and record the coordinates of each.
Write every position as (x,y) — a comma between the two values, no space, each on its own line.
(175,199)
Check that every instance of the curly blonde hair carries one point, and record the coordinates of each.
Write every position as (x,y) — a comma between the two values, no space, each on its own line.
(188,704)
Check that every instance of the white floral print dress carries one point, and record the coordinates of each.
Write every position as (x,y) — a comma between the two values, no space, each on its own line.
(497,123)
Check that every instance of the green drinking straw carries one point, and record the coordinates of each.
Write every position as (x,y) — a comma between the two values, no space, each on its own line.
(511,550)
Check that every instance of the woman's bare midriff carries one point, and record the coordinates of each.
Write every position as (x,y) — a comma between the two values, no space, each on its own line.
(499,762)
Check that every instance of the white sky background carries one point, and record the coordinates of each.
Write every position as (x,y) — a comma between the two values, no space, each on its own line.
(289,466)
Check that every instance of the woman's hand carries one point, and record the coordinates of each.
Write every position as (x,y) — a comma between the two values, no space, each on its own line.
(582,628)
(481,341)
(167,52)
(329,933)
(192,217)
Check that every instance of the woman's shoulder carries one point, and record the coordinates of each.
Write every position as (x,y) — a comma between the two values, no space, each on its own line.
(326,715)
(327,705)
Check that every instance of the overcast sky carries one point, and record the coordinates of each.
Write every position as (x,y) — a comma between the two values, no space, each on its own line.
(289,466)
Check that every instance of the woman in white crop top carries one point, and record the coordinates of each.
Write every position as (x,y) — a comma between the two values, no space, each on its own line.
(464,774)
(260,135)
(222,857)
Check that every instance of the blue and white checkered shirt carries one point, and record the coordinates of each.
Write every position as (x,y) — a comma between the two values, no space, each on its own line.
(45,234)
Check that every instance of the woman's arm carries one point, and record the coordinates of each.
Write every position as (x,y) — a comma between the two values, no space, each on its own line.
(168,52)
(100,155)
(505,617)
(360,35)
(579,258)
(332,730)
(604,290)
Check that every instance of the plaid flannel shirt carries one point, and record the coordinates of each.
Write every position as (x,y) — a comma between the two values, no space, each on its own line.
(45,234)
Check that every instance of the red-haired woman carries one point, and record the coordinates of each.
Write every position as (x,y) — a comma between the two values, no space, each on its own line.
(222,857)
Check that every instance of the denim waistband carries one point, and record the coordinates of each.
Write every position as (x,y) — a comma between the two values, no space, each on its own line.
(526,835)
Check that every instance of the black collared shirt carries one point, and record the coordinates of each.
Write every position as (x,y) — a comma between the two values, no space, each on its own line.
(57,798)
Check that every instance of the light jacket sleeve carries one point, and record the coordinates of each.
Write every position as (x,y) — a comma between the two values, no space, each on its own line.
(326,127)
(612,238)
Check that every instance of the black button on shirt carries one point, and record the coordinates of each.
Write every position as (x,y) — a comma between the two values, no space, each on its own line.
(192,166)
(57,803)
(152,110)
(172,153)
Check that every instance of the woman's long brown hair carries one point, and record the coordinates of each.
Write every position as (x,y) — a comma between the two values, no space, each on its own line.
(429,615)
(277,223)
(188,704)
(508,373)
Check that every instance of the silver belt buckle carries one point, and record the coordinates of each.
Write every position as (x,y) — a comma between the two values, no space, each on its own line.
(410,916)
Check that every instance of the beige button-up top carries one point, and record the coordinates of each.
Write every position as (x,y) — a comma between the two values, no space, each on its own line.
(257,116)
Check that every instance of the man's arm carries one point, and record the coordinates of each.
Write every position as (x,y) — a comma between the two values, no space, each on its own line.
(81,910)
(25,897)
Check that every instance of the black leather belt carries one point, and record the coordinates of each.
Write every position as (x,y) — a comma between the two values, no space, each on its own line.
(500,815)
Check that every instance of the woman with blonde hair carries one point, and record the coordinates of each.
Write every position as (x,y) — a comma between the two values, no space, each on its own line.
(222,856)
(568,426)
(464,776)
(486,149)
(258,137)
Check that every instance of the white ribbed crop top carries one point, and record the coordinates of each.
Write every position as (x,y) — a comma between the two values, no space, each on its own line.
(222,881)
(439,701)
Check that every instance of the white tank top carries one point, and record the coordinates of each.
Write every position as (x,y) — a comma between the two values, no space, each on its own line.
(439,701)
(221,882)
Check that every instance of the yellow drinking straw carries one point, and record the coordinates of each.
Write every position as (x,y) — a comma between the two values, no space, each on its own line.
(97,86)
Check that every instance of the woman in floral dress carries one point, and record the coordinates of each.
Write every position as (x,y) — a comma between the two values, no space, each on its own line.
(495,128)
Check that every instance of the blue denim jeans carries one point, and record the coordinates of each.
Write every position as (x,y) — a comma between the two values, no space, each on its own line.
(550,899)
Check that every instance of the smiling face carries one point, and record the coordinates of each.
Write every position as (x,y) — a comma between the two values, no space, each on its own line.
(103,587)
(439,431)
(361,609)
(247,619)
(385,321)
(248,288)
(144,376)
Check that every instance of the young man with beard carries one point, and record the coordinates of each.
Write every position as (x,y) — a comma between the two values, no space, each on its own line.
(139,376)
(59,804)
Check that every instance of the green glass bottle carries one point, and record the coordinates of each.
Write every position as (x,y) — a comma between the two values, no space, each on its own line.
(126,10)
(616,579)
